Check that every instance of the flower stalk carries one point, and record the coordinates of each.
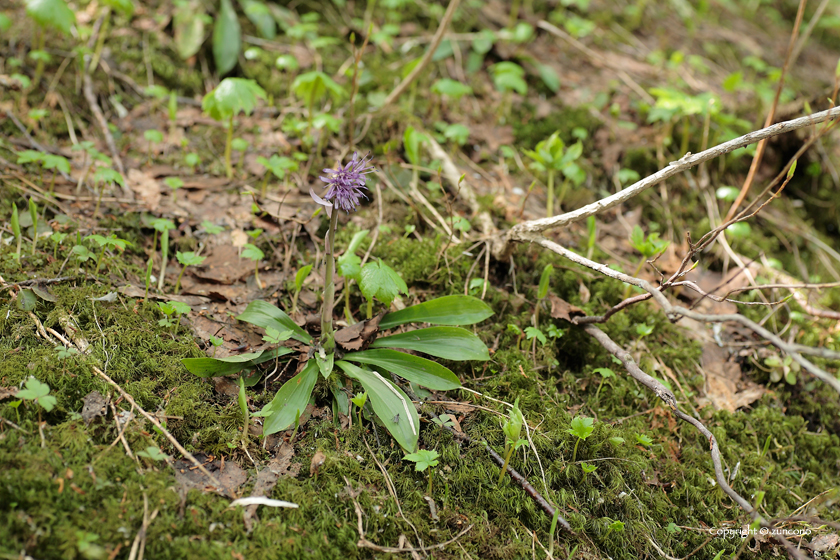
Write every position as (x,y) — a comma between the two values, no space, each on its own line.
(327,332)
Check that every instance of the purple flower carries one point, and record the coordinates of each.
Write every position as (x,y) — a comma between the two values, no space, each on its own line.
(346,183)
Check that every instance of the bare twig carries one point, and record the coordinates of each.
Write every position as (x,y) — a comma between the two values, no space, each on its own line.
(759,152)
(668,397)
(90,96)
(444,23)
(520,232)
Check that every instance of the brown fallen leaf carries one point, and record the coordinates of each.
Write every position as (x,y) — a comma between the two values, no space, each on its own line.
(145,186)
(317,460)
(562,309)
(94,405)
(359,335)
(280,465)
(723,378)
(223,266)
(230,475)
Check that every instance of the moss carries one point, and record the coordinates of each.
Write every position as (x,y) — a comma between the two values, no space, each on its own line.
(528,131)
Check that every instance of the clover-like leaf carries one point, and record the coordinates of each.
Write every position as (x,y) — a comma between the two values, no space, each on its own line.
(380,281)
(231,96)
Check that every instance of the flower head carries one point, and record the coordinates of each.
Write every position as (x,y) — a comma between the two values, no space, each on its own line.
(346,183)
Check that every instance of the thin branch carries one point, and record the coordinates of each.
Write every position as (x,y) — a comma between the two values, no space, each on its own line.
(668,397)
(521,231)
(444,23)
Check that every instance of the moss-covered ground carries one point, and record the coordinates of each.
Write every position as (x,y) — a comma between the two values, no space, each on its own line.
(69,489)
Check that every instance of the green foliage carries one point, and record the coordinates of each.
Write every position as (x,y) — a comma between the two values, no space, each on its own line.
(37,392)
(512,428)
(380,281)
(509,76)
(227,38)
(412,141)
(51,13)
(232,96)
(423,459)
(451,88)
(582,428)
(649,246)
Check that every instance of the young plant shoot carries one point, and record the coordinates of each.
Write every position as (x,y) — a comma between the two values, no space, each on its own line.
(512,429)
(370,368)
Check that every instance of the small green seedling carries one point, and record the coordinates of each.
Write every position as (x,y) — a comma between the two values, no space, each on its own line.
(192,160)
(582,428)
(174,183)
(33,214)
(349,267)
(587,468)
(58,164)
(512,429)
(172,311)
(38,393)
(48,13)
(783,368)
(444,420)
(230,97)
(153,453)
(300,277)
(592,236)
(211,228)
(606,373)
(313,86)
(255,254)
(108,176)
(380,281)
(57,238)
(508,77)
(16,231)
(279,166)
(243,407)
(152,136)
(360,400)
(649,247)
(422,460)
(215,341)
(163,226)
(550,157)
(615,527)
(105,243)
(643,440)
(452,89)
(187,259)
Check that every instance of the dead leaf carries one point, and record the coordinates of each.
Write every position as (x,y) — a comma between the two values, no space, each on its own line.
(317,460)
(821,543)
(231,477)
(94,405)
(359,335)
(561,309)
(223,266)
(280,465)
(723,378)
(226,386)
(145,186)
(7,392)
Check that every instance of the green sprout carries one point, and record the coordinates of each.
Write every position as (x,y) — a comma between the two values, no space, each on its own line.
(643,440)
(230,97)
(313,86)
(550,157)
(16,231)
(105,243)
(582,428)
(380,281)
(299,279)
(360,400)
(152,136)
(649,247)
(587,468)
(453,89)
(57,238)
(109,176)
(605,373)
(186,259)
(174,183)
(508,77)
(192,160)
(33,214)
(163,226)
(423,459)
(172,311)
(512,429)
(279,166)
(349,267)
(38,393)
(48,13)
(255,254)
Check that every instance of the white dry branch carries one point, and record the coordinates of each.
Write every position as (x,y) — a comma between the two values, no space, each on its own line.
(522,232)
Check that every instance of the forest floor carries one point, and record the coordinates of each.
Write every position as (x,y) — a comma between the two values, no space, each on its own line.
(637,84)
